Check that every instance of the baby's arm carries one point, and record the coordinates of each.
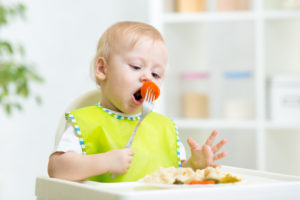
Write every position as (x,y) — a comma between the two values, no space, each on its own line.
(204,156)
(76,167)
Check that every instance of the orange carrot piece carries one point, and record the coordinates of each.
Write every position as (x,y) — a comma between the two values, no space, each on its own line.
(194,182)
(153,87)
(207,182)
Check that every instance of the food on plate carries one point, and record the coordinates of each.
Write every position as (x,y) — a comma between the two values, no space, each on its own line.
(188,176)
(228,178)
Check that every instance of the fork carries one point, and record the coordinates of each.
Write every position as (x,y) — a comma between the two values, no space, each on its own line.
(148,106)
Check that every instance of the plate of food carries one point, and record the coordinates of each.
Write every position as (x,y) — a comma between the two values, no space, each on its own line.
(188,178)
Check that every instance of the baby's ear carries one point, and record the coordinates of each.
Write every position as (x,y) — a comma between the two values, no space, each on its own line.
(101,69)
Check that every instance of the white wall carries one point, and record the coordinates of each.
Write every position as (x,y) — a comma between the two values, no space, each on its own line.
(60,39)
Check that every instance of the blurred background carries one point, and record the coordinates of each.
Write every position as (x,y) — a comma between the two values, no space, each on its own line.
(234,66)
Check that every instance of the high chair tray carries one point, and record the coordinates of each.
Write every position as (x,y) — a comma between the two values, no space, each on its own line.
(255,185)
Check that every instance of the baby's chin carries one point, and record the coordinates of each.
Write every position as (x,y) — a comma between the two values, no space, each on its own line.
(131,110)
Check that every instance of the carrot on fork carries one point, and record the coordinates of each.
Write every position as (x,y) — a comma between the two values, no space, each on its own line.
(153,86)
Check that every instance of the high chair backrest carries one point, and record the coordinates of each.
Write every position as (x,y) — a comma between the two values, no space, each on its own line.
(87,99)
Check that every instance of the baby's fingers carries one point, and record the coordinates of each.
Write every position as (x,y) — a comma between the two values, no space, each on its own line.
(130,152)
(193,144)
(218,146)
(220,155)
(130,159)
(211,138)
(215,165)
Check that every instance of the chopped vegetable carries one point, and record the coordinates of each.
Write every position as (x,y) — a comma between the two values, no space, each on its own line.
(178,182)
(228,178)
(194,182)
(153,86)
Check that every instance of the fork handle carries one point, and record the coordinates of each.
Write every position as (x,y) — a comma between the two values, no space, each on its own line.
(129,143)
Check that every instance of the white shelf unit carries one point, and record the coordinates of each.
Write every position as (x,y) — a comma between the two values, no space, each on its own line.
(249,138)
(206,17)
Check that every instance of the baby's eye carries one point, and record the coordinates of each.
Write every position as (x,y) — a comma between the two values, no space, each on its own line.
(135,67)
(155,75)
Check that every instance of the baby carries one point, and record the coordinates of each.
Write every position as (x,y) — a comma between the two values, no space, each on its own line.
(128,54)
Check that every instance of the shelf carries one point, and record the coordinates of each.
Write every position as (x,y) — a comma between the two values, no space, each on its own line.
(275,125)
(276,15)
(183,123)
(227,16)
(267,40)
(208,17)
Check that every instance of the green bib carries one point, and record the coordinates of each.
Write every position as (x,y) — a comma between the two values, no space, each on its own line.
(155,143)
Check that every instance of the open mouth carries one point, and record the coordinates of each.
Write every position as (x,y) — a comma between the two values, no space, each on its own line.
(137,95)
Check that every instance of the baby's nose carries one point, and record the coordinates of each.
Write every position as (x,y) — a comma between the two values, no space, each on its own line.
(145,78)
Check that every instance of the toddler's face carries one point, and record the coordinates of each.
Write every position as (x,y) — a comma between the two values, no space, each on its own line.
(128,69)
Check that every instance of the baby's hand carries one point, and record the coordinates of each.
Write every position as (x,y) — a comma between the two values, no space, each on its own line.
(119,160)
(204,156)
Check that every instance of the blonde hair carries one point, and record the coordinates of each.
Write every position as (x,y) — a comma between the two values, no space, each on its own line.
(133,31)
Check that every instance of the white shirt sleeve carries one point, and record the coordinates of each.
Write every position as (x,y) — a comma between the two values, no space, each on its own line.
(69,141)
(182,153)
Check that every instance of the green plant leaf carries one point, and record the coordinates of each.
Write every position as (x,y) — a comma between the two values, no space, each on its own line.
(9,12)
(21,50)
(8,108)
(5,46)
(16,76)
(18,106)
(3,15)
(38,100)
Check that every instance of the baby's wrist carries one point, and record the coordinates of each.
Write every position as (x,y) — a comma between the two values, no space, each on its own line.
(106,162)
(101,163)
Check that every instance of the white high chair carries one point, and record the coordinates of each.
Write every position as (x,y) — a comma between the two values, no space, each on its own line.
(86,99)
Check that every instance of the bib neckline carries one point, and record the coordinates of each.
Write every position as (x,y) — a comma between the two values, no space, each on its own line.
(120,115)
